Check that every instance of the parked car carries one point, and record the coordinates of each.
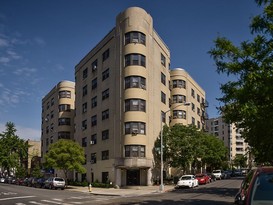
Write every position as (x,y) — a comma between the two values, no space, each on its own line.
(2,179)
(39,183)
(212,177)
(202,178)
(19,181)
(256,188)
(54,183)
(227,174)
(218,174)
(187,181)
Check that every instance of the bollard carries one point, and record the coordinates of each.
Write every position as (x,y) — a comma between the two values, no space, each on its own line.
(90,187)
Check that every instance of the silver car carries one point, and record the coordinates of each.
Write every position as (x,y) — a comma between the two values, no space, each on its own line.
(54,183)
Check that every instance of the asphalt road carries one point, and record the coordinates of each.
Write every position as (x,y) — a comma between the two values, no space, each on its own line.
(217,193)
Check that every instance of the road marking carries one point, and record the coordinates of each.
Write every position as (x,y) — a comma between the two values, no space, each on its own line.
(55,202)
(34,202)
(16,197)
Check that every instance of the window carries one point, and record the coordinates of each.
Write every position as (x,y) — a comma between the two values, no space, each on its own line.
(93,139)
(105,155)
(181,114)
(105,134)
(84,107)
(163,79)
(135,82)
(105,114)
(84,124)
(51,114)
(63,135)
(179,84)
(163,116)
(198,125)
(93,158)
(85,73)
(135,128)
(51,127)
(105,55)
(94,83)
(104,177)
(179,98)
(135,59)
(94,120)
(105,74)
(193,121)
(84,142)
(193,107)
(163,60)
(135,105)
(94,65)
(84,90)
(65,94)
(47,105)
(51,139)
(135,37)
(192,93)
(64,108)
(64,121)
(94,102)
(134,151)
(198,111)
(105,94)
(163,97)
(198,98)
(52,101)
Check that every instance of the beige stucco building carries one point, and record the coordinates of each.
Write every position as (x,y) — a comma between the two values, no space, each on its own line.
(58,110)
(124,86)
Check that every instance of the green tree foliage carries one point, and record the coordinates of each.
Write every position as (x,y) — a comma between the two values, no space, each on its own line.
(65,155)
(248,100)
(240,161)
(13,150)
(186,145)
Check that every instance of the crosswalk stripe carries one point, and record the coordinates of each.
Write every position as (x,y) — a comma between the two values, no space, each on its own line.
(16,197)
(34,202)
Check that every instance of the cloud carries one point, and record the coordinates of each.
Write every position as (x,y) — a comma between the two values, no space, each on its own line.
(4,60)
(24,132)
(39,41)
(25,71)
(3,42)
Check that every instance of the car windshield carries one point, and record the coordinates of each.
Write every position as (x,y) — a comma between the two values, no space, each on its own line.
(59,179)
(263,189)
(217,171)
(186,178)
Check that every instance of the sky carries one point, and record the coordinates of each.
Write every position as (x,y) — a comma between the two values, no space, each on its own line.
(41,41)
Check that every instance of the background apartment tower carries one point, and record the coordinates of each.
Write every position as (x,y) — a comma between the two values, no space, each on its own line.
(230,135)
(122,86)
(58,115)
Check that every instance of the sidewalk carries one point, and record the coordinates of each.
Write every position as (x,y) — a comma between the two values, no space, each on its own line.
(127,191)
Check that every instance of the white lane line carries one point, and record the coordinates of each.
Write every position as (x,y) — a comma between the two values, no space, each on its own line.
(55,202)
(16,197)
(34,202)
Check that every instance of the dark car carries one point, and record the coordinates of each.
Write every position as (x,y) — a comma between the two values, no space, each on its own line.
(39,183)
(212,177)
(257,187)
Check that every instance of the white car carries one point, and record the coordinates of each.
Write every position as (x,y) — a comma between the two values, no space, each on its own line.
(2,179)
(218,174)
(187,181)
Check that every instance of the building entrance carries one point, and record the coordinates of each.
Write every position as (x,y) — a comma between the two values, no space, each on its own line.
(133,177)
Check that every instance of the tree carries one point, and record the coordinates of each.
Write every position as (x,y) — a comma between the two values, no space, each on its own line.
(13,150)
(248,100)
(65,155)
(240,161)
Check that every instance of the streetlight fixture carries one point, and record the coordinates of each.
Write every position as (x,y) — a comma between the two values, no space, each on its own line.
(161,188)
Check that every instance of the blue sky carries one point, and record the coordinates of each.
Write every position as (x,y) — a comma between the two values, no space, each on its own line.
(42,41)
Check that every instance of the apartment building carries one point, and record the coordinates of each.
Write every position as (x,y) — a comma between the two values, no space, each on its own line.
(124,86)
(230,135)
(58,110)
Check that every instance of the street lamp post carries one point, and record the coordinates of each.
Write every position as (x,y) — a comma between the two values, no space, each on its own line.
(161,188)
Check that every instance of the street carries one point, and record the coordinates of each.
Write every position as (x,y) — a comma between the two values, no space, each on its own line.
(217,193)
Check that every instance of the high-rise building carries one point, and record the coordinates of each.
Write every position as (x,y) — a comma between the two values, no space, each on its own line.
(58,114)
(124,87)
(230,135)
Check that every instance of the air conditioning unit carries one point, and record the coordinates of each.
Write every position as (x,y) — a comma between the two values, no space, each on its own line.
(92,161)
(135,41)
(134,132)
(143,87)
(94,68)
(92,142)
